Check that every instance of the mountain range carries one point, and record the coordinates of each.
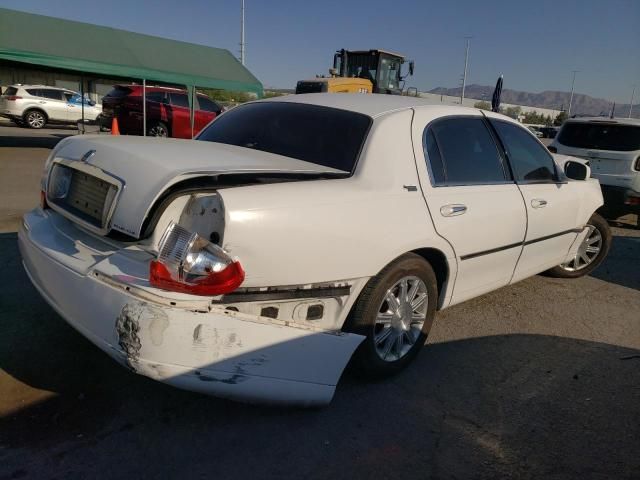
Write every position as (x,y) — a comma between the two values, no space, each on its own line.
(581,105)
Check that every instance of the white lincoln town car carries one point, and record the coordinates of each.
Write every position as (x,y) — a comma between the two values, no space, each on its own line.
(297,233)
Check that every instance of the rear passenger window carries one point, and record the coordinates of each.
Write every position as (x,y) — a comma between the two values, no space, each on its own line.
(51,94)
(531,162)
(208,105)
(156,97)
(435,159)
(180,100)
(461,151)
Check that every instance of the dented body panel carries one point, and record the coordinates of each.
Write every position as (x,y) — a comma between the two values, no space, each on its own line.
(186,342)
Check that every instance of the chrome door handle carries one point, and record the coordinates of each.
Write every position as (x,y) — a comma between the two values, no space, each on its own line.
(453,210)
(538,203)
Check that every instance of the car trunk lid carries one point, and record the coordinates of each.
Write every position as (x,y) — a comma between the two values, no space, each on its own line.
(141,169)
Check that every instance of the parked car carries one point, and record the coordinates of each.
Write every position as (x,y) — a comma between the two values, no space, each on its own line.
(253,263)
(549,132)
(35,106)
(168,113)
(612,149)
(536,131)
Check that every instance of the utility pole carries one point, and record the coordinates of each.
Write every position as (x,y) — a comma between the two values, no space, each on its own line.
(242,32)
(466,63)
(573,82)
(633,94)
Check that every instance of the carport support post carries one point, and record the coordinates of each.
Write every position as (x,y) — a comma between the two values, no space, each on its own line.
(144,107)
(192,99)
(82,102)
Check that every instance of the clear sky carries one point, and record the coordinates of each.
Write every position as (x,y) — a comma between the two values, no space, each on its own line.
(534,43)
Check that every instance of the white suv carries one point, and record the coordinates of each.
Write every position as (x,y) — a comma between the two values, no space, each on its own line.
(612,147)
(36,105)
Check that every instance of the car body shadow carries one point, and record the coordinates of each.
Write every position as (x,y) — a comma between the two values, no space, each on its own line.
(488,407)
(32,141)
(621,265)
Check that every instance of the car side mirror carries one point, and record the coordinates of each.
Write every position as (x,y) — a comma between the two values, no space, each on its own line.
(411,66)
(577,170)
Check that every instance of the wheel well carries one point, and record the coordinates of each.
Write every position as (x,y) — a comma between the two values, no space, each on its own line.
(31,109)
(439,264)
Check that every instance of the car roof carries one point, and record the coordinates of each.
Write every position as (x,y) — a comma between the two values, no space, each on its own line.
(373,105)
(618,120)
(22,85)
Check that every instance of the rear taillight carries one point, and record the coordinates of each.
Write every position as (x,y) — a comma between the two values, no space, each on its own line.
(552,149)
(190,264)
(12,98)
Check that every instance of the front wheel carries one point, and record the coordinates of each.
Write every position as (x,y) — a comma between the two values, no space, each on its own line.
(394,312)
(591,252)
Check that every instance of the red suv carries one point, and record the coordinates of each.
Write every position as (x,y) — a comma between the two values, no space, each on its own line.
(167,111)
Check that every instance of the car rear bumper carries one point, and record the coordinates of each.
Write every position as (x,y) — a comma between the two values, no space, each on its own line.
(10,115)
(195,346)
(621,199)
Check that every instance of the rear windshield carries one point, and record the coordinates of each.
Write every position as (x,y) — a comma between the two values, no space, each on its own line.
(119,92)
(600,136)
(321,135)
(11,91)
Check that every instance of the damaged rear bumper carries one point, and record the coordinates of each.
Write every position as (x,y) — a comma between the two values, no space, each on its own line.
(203,348)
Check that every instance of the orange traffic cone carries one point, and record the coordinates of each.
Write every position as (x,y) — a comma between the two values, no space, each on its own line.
(114,126)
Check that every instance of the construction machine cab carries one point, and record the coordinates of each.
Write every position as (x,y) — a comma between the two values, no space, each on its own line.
(381,68)
(360,71)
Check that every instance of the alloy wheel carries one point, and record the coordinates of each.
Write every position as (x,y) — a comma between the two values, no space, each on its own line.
(158,131)
(400,318)
(35,119)
(587,251)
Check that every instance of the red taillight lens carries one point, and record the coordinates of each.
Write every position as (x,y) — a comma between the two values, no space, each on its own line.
(13,98)
(190,264)
(552,149)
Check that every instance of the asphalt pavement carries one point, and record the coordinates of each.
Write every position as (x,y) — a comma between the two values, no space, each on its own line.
(540,379)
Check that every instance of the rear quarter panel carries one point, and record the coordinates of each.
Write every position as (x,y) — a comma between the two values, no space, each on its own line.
(330,230)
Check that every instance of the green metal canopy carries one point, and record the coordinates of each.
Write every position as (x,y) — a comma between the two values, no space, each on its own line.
(82,47)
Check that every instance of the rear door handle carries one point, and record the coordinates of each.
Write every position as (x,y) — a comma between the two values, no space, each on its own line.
(453,210)
(538,203)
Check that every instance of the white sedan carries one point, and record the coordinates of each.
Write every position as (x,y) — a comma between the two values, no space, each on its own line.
(253,263)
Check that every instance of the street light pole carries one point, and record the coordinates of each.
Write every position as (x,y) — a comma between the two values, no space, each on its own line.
(464,77)
(573,82)
(242,32)
(633,94)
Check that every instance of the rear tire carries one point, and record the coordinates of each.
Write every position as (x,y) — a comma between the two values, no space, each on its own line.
(590,254)
(35,119)
(394,312)
(158,130)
